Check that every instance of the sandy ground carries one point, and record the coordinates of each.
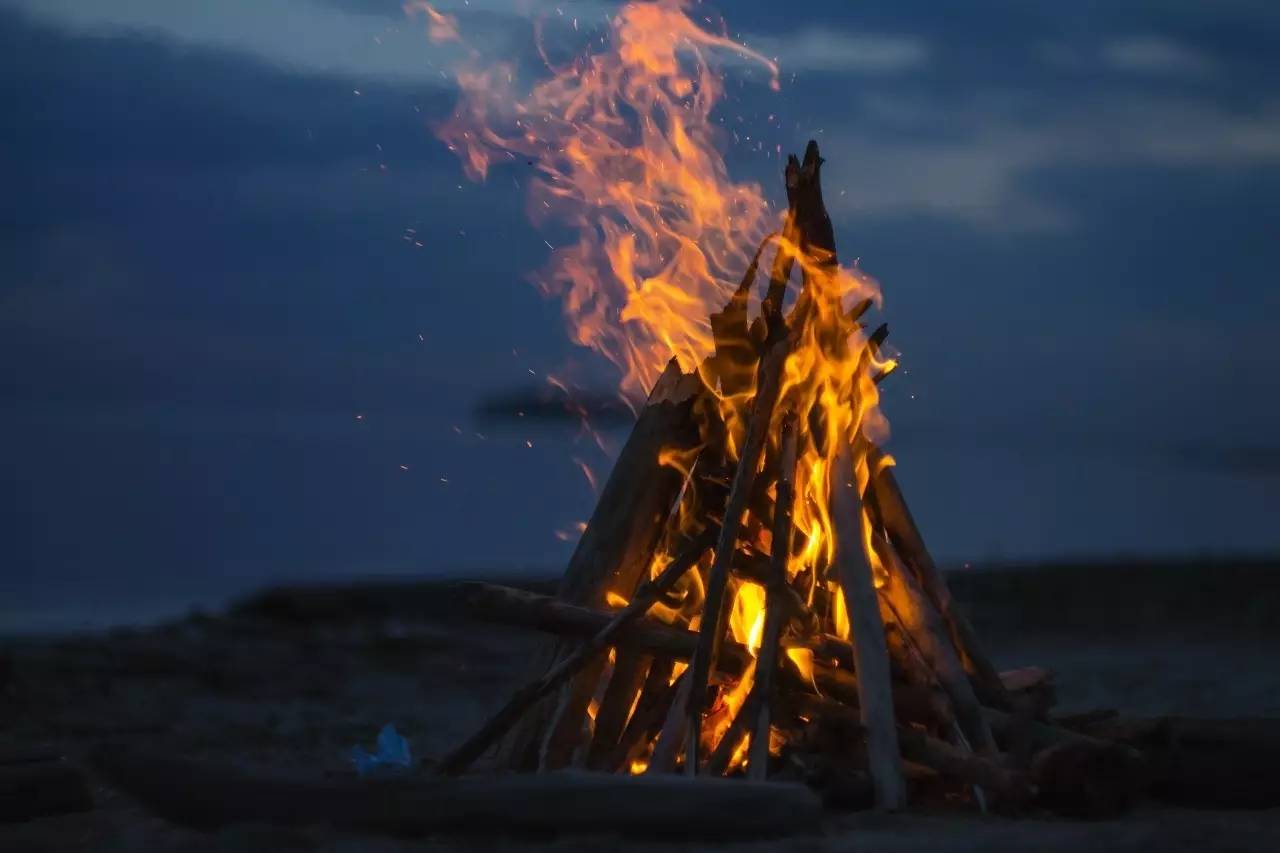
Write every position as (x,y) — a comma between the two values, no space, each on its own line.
(295,680)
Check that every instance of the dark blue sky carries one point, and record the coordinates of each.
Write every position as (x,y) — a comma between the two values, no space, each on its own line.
(1073,210)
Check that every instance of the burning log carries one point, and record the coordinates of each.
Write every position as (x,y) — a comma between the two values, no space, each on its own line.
(458,760)
(545,613)
(870,652)
(710,635)
(616,548)
(777,601)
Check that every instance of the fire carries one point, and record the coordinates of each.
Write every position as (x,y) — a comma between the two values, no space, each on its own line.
(625,143)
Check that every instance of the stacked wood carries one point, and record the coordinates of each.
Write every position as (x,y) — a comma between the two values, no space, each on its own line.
(864,639)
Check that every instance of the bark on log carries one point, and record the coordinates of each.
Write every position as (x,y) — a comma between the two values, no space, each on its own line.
(711,633)
(615,550)
(870,652)
(905,537)
(208,795)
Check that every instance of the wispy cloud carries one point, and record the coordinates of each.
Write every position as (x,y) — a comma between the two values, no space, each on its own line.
(1138,55)
(811,49)
(978,172)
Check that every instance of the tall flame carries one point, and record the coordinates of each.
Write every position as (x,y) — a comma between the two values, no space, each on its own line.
(624,140)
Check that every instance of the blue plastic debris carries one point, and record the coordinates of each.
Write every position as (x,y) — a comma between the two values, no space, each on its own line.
(392,755)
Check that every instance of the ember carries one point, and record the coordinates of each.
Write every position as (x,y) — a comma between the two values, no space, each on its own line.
(751,594)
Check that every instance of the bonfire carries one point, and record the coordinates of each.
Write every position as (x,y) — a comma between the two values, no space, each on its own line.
(751,595)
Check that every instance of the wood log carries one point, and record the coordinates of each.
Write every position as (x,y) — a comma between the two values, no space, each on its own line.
(38,788)
(777,602)
(524,698)
(208,795)
(928,633)
(711,633)
(870,652)
(906,539)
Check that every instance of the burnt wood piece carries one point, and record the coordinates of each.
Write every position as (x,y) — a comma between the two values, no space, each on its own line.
(208,795)
(614,552)
(524,698)
(1012,787)
(711,634)
(545,613)
(41,786)
(905,537)
(927,632)
(870,651)
(777,602)
(666,749)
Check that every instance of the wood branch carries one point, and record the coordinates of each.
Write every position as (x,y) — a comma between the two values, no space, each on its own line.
(870,652)
(630,670)
(475,746)
(718,763)
(41,787)
(615,550)
(208,795)
(711,633)
(915,612)
(666,749)
(905,537)
(646,721)
(777,602)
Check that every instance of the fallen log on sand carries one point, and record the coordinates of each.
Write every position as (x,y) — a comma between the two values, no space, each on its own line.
(209,795)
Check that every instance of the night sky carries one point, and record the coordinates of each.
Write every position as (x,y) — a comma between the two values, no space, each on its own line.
(226,366)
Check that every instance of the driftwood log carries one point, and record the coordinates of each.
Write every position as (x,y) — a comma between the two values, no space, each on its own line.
(208,795)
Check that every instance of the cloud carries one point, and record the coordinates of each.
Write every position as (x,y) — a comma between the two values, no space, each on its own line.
(812,49)
(296,34)
(1144,55)
(978,172)
(1154,55)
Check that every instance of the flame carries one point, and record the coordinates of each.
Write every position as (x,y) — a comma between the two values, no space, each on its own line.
(746,619)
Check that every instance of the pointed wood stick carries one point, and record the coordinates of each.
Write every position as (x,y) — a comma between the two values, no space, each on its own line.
(870,652)
(776,601)
(916,613)
(710,630)
(471,749)
(907,541)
